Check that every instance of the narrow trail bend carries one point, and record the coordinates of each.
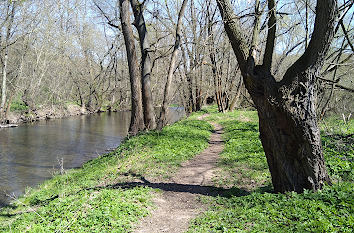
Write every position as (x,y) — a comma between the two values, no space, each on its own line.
(178,205)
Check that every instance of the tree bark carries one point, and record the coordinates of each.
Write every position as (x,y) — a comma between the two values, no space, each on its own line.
(146,67)
(10,15)
(198,92)
(234,101)
(8,106)
(171,69)
(137,120)
(4,81)
(286,109)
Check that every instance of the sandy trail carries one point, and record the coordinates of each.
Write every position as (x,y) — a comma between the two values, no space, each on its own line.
(179,202)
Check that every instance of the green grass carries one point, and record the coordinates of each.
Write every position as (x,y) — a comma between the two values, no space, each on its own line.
(337,125)
(18,106)
(252,207)
(91,199)
(329,210)
(338,146)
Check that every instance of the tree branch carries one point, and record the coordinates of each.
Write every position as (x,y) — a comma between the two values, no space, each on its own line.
(109,21)
(346,35)
(234,32)
(255,32)
(314,55)
(337,85)
(272,23)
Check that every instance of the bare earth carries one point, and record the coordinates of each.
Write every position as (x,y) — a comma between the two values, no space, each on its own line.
(179,202)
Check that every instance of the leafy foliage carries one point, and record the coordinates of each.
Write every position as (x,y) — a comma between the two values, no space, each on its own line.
(329,210)
(18,106)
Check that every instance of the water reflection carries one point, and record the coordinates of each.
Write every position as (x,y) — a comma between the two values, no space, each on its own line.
(31,153)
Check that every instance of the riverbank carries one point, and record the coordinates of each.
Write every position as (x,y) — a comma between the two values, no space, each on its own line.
(58,111)
(45,113)
(104,194)
(99,196)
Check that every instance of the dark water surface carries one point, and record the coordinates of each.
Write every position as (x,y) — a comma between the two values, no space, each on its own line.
(31,153)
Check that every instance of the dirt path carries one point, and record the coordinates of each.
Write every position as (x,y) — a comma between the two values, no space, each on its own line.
(179,202)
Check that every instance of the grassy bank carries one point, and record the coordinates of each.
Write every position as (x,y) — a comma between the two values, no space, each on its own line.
(252,207)
(97,197)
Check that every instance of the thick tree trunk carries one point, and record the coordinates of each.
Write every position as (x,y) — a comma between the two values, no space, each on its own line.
(290,135)
(148,106)
(137,120)
(286,109)
(293,149)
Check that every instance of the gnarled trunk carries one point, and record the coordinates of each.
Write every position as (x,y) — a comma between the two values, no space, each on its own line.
(290,135)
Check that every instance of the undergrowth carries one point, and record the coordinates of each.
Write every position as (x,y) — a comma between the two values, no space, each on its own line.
(18,105)
(97,197)
(252,207)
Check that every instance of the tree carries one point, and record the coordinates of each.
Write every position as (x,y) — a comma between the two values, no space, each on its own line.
(139,23)
(5,43)
(286,108)
(171,69)
(137,120)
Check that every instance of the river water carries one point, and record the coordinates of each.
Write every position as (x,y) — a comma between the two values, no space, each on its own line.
(31,153)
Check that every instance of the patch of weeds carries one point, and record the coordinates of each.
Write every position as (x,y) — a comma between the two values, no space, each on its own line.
(340,125)
(329,210)
(18,105)
(339,155)
(210,109)
(89,210)
(166,150)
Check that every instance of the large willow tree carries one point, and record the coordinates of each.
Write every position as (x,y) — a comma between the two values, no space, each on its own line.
(287,116)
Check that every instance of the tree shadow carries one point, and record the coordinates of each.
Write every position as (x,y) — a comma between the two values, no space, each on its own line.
(204,190)
(265,189)
(7,206)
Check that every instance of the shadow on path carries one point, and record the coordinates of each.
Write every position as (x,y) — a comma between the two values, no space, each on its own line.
(183,188)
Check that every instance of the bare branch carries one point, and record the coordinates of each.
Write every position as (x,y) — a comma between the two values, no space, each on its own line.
(268,54)
(234,32)
(326,15)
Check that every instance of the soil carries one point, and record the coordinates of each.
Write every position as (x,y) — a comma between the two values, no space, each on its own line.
(179,201)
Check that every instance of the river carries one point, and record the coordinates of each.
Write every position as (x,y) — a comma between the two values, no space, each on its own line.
(32,153)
